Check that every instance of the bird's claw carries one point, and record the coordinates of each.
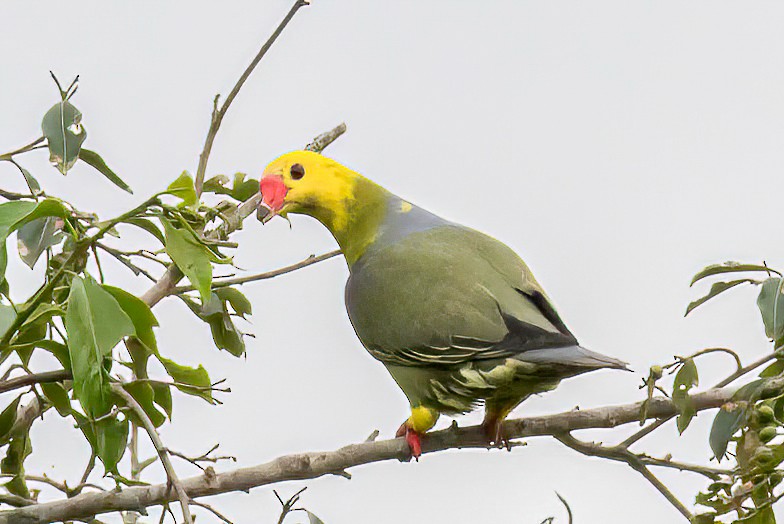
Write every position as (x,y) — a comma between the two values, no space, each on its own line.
(494,433)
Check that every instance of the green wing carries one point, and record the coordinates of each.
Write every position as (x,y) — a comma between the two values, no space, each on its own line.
(449,295)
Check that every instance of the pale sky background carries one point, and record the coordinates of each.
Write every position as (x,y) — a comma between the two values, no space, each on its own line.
(618,146)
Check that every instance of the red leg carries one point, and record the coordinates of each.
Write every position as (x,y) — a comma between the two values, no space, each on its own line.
(412,438)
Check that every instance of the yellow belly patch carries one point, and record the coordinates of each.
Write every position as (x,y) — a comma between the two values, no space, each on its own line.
(422,418)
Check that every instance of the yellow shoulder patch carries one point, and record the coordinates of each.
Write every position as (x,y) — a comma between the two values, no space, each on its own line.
(405,207)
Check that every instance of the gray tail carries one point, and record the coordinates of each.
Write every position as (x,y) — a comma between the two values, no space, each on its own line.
(577,358)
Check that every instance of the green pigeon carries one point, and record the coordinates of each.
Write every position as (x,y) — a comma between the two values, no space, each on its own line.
(456,316)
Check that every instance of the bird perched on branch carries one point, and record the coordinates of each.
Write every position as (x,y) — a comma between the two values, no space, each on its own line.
(455,316)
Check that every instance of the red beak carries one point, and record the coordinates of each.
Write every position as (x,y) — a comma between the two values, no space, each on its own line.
(273,192)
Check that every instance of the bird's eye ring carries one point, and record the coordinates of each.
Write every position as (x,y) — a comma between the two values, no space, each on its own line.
(297,171)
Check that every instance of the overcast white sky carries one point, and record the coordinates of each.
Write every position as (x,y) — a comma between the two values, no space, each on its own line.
(618,146)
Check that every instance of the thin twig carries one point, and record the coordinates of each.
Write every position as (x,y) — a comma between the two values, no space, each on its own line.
(728,351)
(212,510)
(624,455)
(83,482)
(566,505)
(204,457)
(711,473)
(23,149)
(10,195)
(219,113)
(288,506)
(59,486)
(312,259)
(159,447)
(751,367)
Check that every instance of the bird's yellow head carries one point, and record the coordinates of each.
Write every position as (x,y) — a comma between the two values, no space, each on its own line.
(308,183)
(348,204)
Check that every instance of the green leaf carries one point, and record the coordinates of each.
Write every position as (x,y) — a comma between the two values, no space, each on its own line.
(143,344)
(16,214)
(30,180)
(60,351)
(13,464)
(34,237)
(686,378)
(728,267)
(183,188)
(773,370)
(752,391)
(10,214)
(140,314)
(239,302)
(51,207)
(7,317)
(148,226)
(716,289)
(771,305)
(64,134)
(38,320)
(95,160)
(192,257)
(224,333)
(56,394)
(163,397)
(762,516)
(727,422)
(86,426)
(313,519)
(111,438)
(185,376)
(7,419)
(95,324)
(144,395)
(216,184)
(241,189)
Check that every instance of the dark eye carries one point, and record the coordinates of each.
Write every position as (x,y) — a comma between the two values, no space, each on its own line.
(297,171)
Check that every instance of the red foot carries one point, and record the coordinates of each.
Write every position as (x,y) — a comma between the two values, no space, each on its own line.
(413,440)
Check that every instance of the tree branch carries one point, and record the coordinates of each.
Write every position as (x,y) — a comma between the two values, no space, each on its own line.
(219,113)
(315,464)
(312,259)
(163,454)
(34,378)
(624,455)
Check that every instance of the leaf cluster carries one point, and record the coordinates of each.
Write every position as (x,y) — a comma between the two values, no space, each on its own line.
(747,432)
(95,332)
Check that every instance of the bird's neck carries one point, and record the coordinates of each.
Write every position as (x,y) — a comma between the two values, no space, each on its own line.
(356,219)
